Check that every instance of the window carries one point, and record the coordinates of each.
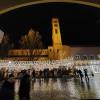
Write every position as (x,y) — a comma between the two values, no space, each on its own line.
(55,21)
(77,57)
(57,50)
(84,57)
(56,25)
(91,57)
(50,50)
(56,31)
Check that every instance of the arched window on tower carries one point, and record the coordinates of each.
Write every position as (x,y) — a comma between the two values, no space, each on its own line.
(56,31)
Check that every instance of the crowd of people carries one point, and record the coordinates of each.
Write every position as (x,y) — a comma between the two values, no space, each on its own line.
(8,79)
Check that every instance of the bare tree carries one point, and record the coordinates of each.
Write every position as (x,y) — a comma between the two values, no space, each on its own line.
(33,42)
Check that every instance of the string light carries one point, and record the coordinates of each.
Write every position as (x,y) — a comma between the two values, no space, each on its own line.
(40,65)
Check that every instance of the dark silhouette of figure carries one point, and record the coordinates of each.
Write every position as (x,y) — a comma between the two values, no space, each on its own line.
(7,90)
(86,74)
(52,73)
(24,89)
(1,75)
(59,73)
(40,73)
(46,73)
(80,74)
(92,74)
(33,74)
(75,72)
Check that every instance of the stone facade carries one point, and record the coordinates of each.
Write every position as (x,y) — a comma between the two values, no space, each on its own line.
(55,52)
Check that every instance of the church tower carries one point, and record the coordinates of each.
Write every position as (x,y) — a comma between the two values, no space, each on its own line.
(56,39)
(56,35)
(57,51)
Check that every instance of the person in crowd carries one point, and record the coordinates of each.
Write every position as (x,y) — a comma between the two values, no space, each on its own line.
(59,73)
(92,74)
(52,73)
(33,73)
(40,73)
(86,74)
(75,72)
(24,89)
(8,89)
(46,73)
(80,74)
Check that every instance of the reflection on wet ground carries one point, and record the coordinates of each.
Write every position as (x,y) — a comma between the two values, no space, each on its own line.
(65,89)
(61,89)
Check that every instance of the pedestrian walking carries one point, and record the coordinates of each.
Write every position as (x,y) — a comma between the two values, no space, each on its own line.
(24,89)
(86,74)
(80,74)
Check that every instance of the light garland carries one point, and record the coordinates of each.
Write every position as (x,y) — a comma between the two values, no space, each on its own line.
(40,65)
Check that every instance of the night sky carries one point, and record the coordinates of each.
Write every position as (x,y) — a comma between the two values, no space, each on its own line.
(80,24)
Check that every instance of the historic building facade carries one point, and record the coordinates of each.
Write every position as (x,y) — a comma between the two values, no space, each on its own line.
(55,52)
